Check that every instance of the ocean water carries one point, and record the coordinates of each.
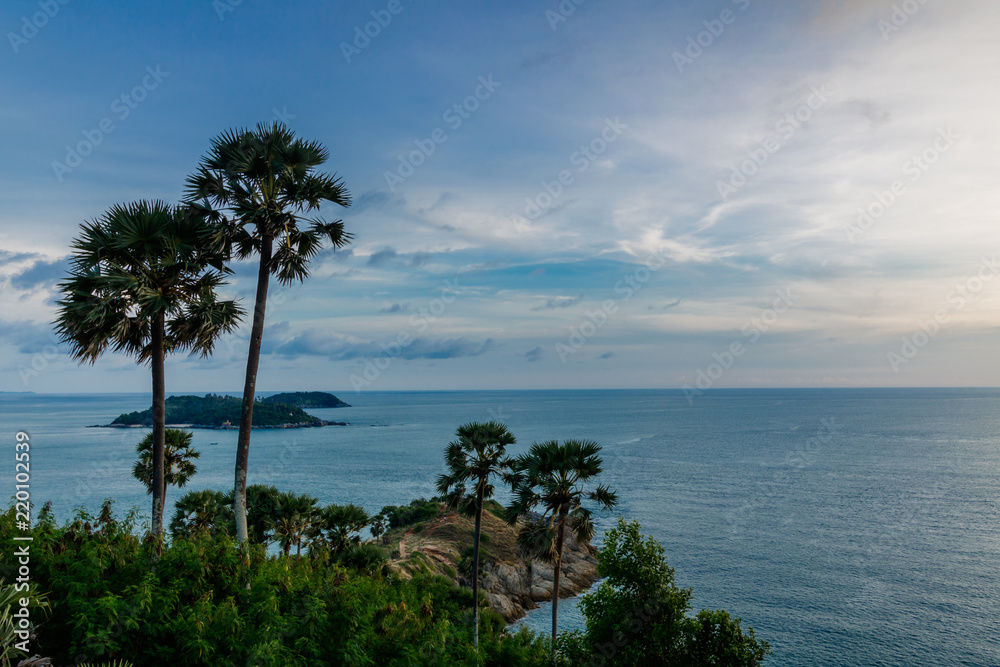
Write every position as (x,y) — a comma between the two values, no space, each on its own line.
(848,527)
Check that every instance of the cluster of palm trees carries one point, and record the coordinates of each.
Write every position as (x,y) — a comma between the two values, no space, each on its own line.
(145,275)
(547,484)
(282,518)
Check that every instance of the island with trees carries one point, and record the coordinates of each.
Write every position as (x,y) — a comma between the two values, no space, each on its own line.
(307,399)
(223,412)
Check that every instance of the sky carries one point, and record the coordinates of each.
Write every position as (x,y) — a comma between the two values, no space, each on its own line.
(575,194)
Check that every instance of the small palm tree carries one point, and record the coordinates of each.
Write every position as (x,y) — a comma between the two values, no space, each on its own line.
(339,526)
(549,479)
(259,186)
(293,517)
(477,455)
(202,511)
(143,281)
(377,526)
(178,460)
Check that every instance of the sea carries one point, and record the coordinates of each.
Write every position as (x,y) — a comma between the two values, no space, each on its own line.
(846,526)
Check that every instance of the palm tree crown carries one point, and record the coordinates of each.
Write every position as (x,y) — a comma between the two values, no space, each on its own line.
(178,460)
(550,477)
(137,262)
(256,185)
(478,454)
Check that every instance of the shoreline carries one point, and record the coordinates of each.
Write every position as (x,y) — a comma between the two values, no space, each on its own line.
(227,427)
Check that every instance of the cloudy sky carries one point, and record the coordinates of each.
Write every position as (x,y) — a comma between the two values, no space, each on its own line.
(745,193)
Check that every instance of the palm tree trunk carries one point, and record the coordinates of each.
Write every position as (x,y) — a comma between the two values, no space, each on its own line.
(475,564)
(159,423)
(163,493)
(556,575)
(249,391)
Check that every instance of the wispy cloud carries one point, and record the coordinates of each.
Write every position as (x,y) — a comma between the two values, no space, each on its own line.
(396,308)
(557,302)
(382,257)
(42,274)
(343,348)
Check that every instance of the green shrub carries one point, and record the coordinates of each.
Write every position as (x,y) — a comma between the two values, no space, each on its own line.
(638,616)
(406,515)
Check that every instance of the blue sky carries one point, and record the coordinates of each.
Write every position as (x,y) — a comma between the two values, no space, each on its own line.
(579,194)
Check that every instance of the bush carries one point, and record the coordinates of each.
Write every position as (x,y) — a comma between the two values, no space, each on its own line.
(364,558)
(638,616)
(406,515)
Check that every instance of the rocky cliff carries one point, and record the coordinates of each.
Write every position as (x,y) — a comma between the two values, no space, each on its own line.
(511,583)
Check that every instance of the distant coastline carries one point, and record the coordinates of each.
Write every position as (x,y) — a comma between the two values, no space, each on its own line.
(217,412)
(229,427)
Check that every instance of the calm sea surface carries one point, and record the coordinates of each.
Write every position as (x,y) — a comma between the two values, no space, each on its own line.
(848,527)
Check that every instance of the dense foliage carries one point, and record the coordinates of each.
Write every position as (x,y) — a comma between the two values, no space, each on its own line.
(638,616)
(206,601)
(215,410)
(307,399)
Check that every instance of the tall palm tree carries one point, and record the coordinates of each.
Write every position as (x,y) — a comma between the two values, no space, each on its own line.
(143,281)
(549,479)
(178,460)
(478,454)
(258,186)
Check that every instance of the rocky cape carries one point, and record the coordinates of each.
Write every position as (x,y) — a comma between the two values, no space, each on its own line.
(512,583)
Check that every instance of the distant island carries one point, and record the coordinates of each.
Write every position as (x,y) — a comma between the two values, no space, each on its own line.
(223,412)
(307,399)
